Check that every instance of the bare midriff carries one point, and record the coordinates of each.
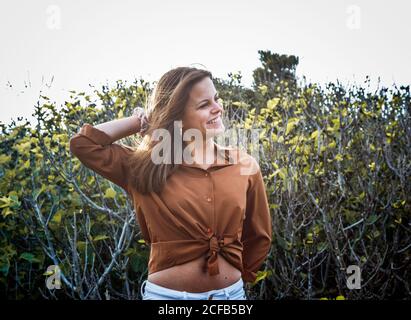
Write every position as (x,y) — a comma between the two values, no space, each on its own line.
(191,277)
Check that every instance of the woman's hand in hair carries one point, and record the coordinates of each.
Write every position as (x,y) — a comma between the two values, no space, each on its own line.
(141,115)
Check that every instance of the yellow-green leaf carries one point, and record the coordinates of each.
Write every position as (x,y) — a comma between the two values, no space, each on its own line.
(4,159)
(339,157)
(272,103)
(314,135)
(100,237)
(110,193)
(57,216)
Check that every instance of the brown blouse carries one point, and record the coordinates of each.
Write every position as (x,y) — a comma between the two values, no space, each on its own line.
(199,212)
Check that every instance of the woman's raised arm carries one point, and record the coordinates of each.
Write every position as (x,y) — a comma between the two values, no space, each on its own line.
(94,147)
(120,128)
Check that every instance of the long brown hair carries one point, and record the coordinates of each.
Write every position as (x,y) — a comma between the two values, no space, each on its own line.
(166,104)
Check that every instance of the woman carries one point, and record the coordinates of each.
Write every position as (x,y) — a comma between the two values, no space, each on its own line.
(207,221)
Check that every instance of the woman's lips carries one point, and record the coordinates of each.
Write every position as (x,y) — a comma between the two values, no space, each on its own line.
(215,121)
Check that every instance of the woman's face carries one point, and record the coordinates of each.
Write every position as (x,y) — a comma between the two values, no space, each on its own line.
(202,111)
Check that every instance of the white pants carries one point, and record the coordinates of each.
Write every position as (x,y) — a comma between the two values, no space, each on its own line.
(152,291)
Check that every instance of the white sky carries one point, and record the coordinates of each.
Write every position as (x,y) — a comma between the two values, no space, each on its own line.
(97,41)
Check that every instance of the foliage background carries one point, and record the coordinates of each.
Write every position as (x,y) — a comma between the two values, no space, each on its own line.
(336,162)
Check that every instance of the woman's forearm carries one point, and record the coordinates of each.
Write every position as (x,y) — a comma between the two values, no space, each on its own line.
(120,128)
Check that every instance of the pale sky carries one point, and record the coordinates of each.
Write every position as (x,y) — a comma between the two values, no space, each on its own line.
(96,41)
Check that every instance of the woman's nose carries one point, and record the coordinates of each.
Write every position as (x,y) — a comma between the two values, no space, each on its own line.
(217,108)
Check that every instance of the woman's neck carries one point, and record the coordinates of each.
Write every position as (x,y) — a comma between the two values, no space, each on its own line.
(202,153)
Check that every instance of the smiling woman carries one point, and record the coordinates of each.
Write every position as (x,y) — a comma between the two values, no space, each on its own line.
(207,223)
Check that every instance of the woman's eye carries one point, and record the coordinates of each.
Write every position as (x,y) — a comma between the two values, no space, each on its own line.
(205,105)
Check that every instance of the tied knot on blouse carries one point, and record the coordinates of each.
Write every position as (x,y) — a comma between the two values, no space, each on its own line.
(215,245)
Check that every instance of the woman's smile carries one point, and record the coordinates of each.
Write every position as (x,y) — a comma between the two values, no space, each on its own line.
(214,122)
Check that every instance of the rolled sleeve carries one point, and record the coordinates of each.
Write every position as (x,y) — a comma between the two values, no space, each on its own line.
(95,149)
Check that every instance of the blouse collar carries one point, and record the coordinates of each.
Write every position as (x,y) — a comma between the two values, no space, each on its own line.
(223,157)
